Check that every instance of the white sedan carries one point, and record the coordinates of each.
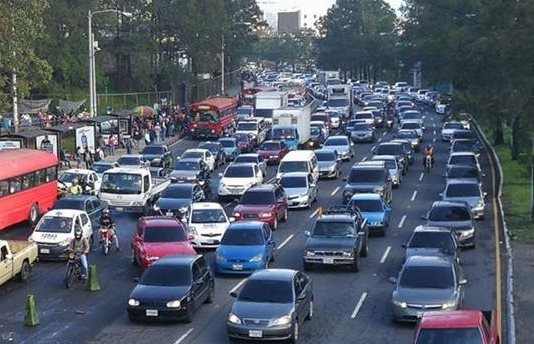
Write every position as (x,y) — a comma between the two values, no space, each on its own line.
(202,153)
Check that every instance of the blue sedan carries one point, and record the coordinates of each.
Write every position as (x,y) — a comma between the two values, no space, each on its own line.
(230,147)
(374,209)
(245,247)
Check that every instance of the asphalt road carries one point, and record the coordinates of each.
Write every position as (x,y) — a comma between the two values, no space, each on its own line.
(349,307)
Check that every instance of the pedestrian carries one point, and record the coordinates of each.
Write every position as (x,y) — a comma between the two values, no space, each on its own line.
(65,162)
(88,158)
(111,145)
(79,156)
(99,154)
(129,145)
(157,131)
(147,138)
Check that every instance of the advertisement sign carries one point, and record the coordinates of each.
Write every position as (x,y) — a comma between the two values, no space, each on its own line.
(47,143)
(85,138)
(10,144)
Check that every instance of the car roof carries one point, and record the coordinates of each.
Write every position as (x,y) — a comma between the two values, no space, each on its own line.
(191,159)
(338,137)
(226,139)
(206,205)
(274,274)
(427,261)
(462,153)
(246,225)
(298,155)
(272,141)
(180,186)
(261,187)
(449,204)
(366,196)
(335,218)
(296,174)
(462,181)
(155,145)
(105,162)
(138,156)
(177,260)
(370,164)
(204,150)
(322,150)
(464,166)
(451,319)
(64,212)
(383,157)
(242,164)
(79,198)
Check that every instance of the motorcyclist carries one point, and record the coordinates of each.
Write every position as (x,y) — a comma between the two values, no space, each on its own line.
(80,246)
(429,150)
(106,221)
(75,188)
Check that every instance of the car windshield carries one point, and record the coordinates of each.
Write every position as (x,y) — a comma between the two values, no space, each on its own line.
(121,183)
(244,111)
(322,118)
(167,276)
(449,336)
(208,216)
(165,234)
(68,177)
(459,146)
(257,197)
(395,149)
(359,175)
(193,155)
(411,125)
(337,102)
(153,150)
(294,182)
(438,277)
(214,148)
(453,126)
(246,158)
(325,156)
(243,237)
(463,190)
(129,161)
(186,166)
(315,131)
(463,134)
(261,291)
(332,229)
(101,168)
(228,143)
(293,166)
(462,172)
(337,142)
(406,134)
(368,205)
(69,203)
(283,133)
(178,191)
(449,213)
(240,137)
(55,224)
(270,146)
(247,126)
(362,127)
(462,159)
(239,172)
(364,116)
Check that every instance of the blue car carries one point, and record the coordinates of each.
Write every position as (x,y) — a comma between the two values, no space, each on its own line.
(374,209)
(245,247)
(230,147)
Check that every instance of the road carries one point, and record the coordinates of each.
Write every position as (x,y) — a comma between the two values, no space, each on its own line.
(349,308)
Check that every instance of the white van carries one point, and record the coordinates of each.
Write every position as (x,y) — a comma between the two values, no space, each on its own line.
(299,161)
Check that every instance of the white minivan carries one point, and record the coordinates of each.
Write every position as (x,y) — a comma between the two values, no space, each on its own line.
(299,161)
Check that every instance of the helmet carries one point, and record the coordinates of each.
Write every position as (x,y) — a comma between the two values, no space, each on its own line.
(105,211)
(428,146)
(78,233)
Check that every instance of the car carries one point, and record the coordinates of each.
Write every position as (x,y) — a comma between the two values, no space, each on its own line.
(409,152)
(322,117)
(464,158)
(427,283)
(411,135)
(245,111)
(322,126)
(432,241)
(393,166)
(465,172)
(368,177)
(92,205)
(192,170)
(336,239)
(103,165)
(300,189)
(374,210)
(273,151)
(88,178)
(173,288)
(467,191)
(157,237)
(335,119)
(362,132)
(317,138)
(454,215)
(238,178)
(206,224)
(465,145)
(216,149)
(177,198)
(412,115)
(329,164)
(413,125)
(341,145)
(245,142)
(396,149)
(449,128)
(256,127)
(365,116)
(254,158)
(464,134)
(230,146)
(133,160)
(200,153)
(259,313)
(266,203)
(158,155)
(245,247)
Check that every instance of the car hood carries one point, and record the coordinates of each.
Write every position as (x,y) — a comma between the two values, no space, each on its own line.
(361,132)
(254,208)
(326,165)
(294,192)
(152,156)
(173,203)
(240,252)
(162,249)
(237,181)
(268,152)
(424,295)
(229,150)
(456,225)
(184,174)
(373,216)
(261,310)
(148,293)
(330,244)
(472,201)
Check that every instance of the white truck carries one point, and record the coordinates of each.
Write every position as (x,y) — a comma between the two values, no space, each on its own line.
(325,75)
(132,190)
(268,101)
(292,124)
(340,99)
(16,259)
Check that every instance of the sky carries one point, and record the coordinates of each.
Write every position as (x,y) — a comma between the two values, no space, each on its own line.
(318,7)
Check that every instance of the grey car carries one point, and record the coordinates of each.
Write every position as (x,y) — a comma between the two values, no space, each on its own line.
(464,172)
(467,191)
(341,145)
(427,283)
(329,164)
(362,132)
(254,158)
(456,216)
(272,305)
(300,189)
(432,241)
(392,164)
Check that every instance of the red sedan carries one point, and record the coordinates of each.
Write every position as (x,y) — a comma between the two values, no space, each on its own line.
(266,203)
(157,237)
(273,151)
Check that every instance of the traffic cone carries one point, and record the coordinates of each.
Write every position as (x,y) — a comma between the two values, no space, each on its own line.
(31,318)
(92,282)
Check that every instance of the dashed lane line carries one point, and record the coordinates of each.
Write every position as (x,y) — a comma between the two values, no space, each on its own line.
(385,255)
(401,223)
(238,285)
(335,191)
(359,305)
(284,243)
(413,196)
(421,176)
(183,336)
(364,158)
(314,213)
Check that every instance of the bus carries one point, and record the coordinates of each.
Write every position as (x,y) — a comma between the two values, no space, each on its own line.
(28,185)
(213,117)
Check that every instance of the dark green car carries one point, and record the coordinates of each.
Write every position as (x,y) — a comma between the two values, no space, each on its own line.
(92,205)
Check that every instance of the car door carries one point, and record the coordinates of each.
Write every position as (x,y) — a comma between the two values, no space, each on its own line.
(270,246)
(90,210)
(302,296)
(6,265)
(312,188)
(137,242)
(280,199)
(98,208)
(198,288)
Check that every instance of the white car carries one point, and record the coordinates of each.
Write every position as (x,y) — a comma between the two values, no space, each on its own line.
(238,178)
(206,224)
(202,153)
(392,164)
(341,145)
(254,158)
(89,178)
(55,231)
(440,108)
(322,126)
(413,125)
(449,128)
(366,116)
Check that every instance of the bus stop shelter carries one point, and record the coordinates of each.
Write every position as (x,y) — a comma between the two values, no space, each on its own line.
(32,139)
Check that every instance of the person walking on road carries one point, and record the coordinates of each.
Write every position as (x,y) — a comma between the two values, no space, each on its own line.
(88,158)
(111,145)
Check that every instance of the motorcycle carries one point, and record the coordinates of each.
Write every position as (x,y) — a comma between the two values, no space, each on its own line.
(389,124)
(107,239)
(74,269)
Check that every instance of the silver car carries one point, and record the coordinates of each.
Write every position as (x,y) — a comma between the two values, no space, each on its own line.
(329,163)
(300,190)
(448,129)
(392,164)
(254,158)
(427,283)
(341,145)
(468,191)
(432,241)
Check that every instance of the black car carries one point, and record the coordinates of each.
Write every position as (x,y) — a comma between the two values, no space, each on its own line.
(176,199)
(432,241)
(172,288)
(397,149)
(464,172)
(191,170)
(158,155)
(216,150)
(368,177)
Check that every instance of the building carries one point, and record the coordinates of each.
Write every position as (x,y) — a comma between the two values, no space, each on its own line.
(289,22)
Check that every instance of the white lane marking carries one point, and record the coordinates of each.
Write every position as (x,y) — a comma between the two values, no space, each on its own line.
(314,213)
(434,139)
(286,241)
(385,256)
(433,125)
(384,133)
(379,140)
(182,338)
(413,196)
(228,204)
(401,223)
(238,285)
(359,305)
(364,158)
(335,191)
(421,176)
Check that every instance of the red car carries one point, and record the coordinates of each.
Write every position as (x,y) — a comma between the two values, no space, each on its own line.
(157,237)
(244,142)
(266,203)
(273,151)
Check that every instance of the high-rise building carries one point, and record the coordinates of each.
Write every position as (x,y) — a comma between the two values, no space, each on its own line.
(289,22)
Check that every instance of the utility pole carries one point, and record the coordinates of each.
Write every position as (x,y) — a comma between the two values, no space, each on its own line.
(222,66)
(90,56)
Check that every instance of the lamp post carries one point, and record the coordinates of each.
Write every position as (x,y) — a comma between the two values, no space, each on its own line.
(223,51)
(91,56)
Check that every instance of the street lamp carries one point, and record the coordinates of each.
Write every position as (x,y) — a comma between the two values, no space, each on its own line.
(223,48)
(91,56)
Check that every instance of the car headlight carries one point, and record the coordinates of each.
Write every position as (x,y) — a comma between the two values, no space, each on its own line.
(400,304)
(232,318)
(174,304)
(348,193)
(183,210)
(480,205)
(257,258)
(190,178)
(449,304)
(332,168)
(222,185)
(193,230)
(220,259)
(310,253)
(265,215)
(133,302)
(286,319)
(348,253)
(237,214)
(201,182)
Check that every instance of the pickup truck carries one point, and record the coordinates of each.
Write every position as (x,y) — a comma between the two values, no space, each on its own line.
(338,237)
(132,190)
(16,259)
(462,326)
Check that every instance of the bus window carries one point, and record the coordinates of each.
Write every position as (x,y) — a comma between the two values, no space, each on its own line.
(4,188)
(51,174)
(40,177)
(14,185)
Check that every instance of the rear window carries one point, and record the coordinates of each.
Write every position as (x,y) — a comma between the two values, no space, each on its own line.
(389,150)
(257,197)
(449,336)
(359,175)
(463,190)
(239,172)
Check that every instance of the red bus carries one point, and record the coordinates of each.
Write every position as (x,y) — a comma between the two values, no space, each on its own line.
(213,117)
(28,185)
(249,94)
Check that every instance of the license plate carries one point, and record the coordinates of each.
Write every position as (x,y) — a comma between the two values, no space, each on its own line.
(169,213)
(255,334)
(237,267)
(328,260)
(119,209)
(45,250)
(151,312)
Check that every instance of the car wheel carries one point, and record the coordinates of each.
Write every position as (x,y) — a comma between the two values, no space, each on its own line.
(365,249)
(338,173)
(24,271)
(355,267)
(286,214)
(310,312)
(275,224)
(33,218)
(295,335)
(211,293)
(308,267)
(189,313)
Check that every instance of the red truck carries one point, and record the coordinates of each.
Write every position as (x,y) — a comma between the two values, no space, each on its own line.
(457,327)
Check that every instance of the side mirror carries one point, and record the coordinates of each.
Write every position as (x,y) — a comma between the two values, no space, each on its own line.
(307,233)
(423,217)
(231,219)
(220,175)
(404,245)
(345,179)
(462,282)
(233,294)
(301,297)
(393,280)
(485,194)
